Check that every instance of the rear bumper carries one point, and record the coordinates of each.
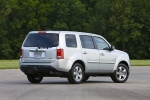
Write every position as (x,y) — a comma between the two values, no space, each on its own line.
(59,65)
(44,70)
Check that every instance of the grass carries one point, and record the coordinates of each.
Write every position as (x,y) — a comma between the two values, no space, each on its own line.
(140,62)
(14,64)
(9,64)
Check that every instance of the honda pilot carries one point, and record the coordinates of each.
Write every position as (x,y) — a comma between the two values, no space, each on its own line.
(73,55)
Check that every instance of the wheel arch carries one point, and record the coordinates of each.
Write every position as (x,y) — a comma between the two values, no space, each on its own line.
(80,62)
(124,62)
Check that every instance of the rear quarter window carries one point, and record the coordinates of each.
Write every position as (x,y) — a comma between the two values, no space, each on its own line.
(71,40)
(41,40)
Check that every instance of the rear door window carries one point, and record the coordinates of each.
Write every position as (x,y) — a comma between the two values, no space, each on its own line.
(71,40)
(42,40)
(87,42)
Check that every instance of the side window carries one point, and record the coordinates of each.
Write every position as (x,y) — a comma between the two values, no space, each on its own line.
(101,44)
(71,40)
(87,42)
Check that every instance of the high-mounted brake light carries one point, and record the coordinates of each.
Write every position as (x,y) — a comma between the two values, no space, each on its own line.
(42,32)
(60,54)
(20,53)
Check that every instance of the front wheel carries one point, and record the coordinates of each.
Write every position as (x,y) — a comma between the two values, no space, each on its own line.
(76,74)
(34,78)
(121,74)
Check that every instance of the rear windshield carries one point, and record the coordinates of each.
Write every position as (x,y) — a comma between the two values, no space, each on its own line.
(42,40)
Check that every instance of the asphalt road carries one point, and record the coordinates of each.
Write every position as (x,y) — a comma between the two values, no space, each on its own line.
(15,86)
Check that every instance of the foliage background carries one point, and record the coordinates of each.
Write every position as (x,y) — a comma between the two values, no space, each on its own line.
(124,23)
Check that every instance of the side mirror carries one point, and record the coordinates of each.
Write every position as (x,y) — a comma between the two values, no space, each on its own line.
(112,48)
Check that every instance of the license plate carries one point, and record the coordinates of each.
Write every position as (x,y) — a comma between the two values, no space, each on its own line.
(37,54)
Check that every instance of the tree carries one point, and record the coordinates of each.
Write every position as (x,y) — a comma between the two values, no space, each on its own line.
(116,20)
(5,9)
(69,15)
(125,23)
(142,43)
(29,15)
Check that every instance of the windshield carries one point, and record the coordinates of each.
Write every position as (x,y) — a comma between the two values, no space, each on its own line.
(42,40)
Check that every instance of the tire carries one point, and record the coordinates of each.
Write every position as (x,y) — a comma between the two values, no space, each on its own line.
(76,74)
(85,78)
(34,78)
(121,74)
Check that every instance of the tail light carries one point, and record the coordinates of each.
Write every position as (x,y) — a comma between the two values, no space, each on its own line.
(60,54)
(20,53)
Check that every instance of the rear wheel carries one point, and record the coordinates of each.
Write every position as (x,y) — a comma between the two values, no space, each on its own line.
(34,78)
(121,74)
(76,74)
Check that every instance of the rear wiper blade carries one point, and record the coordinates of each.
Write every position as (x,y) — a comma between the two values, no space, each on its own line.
(43,47)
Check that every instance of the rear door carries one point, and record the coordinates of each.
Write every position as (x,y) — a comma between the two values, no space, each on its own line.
(40,47)
(89,53)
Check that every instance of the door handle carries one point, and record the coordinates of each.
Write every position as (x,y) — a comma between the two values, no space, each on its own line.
(102,54)
(84,52)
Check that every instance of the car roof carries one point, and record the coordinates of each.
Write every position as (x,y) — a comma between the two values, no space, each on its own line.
(68,32)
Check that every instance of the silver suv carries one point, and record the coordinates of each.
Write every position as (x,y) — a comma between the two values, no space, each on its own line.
(74,55)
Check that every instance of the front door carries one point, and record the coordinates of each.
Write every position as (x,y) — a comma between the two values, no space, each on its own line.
(107,57)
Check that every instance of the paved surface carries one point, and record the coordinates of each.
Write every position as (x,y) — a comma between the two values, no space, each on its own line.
(14,86)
